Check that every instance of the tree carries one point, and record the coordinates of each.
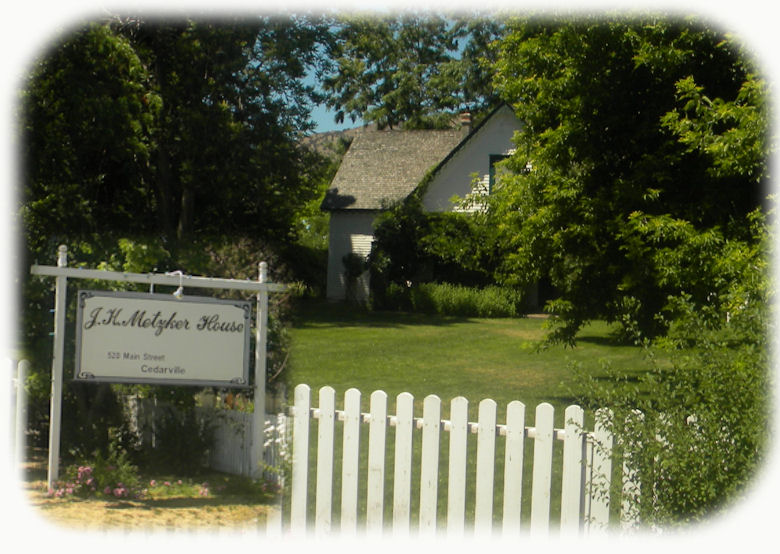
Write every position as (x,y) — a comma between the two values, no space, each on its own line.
(171,128)
(648,144)
(234,99)
(144,142)
(701,439)
(619,133)
(412,70)
(87,117)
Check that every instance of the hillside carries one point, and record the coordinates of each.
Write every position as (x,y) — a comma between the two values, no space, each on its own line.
(326,143)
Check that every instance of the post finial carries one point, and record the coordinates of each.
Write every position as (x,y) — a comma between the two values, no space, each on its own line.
(263,266)
(62,256)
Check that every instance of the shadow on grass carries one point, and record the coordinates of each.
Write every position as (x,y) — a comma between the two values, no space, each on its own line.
(610,340)
(190,502)
(332,314)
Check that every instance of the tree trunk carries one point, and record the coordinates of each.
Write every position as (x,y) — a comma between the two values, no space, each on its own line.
(186,214)
(164,191)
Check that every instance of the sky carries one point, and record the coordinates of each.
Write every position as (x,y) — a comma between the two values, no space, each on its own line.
(324,119)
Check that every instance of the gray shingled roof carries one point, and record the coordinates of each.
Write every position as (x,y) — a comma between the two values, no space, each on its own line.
(382,167)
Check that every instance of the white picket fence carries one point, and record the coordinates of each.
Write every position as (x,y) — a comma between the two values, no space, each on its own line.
(585,482)
(232,433)
(233,439)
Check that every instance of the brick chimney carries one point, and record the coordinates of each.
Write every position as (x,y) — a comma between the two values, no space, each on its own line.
(465,120)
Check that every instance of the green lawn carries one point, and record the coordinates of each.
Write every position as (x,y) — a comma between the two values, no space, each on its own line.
(477,358)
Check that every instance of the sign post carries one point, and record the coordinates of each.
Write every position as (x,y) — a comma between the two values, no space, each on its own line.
(55,407)
(118,339)
(258,416)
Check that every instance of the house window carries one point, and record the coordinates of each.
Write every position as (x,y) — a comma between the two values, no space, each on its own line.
(494,159)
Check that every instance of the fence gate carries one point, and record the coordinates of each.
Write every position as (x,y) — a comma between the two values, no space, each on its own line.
(586,466)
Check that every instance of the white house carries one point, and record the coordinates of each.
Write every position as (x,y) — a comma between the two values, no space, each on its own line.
(381,168)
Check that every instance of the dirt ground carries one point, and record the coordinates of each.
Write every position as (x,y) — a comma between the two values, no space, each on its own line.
(171,514)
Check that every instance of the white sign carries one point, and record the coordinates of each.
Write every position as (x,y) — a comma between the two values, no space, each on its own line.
(127,337)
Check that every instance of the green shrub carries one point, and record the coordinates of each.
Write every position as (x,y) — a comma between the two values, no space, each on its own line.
(458,300)
(395,297)
(113,476)
(703,435)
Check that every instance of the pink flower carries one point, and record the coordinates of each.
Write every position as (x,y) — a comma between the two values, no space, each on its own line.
(107,490)
(152,483)
(167,484)
(84,473)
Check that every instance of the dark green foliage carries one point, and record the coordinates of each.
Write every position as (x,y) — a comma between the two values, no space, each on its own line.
(702,439)
(170,128)
(412,70)
(87,120)
(92,420)
(648,144)
(354,266)
(629,124)
(412,247)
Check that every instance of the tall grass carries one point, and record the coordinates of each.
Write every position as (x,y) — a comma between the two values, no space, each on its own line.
(456,300)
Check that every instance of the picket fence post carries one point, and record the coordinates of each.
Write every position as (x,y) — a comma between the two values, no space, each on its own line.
(629,516)
(429,471)
(573,471)
(351,462)
(325,435)
(300,458)
(402,479)
(456,488)
(486,454)
(20,421)
(599,474)
(542,474)
(513,466)
(375,495)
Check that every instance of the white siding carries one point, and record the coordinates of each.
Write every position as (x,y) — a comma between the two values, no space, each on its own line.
(472,162)
(361,243)
(350,231)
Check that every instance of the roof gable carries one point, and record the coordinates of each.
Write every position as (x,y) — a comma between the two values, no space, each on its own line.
(472,158)
(383,167)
